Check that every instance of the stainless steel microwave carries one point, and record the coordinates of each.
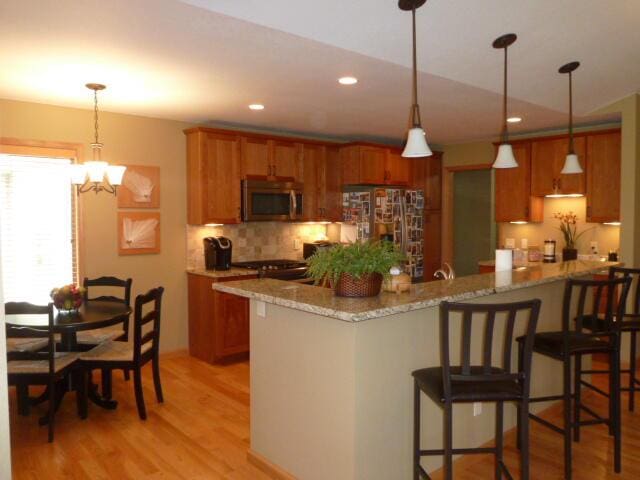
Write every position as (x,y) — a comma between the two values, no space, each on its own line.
(271,201)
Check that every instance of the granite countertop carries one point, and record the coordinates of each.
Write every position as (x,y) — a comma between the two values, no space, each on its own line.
(322,301)
(232,272)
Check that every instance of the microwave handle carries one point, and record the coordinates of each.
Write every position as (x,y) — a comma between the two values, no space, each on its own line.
(293,204)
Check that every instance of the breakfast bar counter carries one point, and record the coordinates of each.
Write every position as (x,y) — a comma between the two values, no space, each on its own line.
(331,385)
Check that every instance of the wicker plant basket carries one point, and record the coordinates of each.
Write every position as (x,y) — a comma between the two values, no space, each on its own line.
(365,286)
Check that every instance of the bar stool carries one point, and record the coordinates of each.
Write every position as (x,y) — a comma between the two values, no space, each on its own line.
(466,383)
(630,324)
(569,343)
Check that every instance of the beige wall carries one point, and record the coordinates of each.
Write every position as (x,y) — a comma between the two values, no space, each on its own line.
(128,140)
(5,438)
(468,154)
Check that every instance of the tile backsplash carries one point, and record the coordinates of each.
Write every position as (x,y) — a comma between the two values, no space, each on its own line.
(254,240)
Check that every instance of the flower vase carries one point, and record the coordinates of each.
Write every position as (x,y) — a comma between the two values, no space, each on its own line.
(569,254)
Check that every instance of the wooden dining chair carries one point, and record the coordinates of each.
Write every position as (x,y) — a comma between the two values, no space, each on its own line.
(120,332)
(25,368)
(112,355)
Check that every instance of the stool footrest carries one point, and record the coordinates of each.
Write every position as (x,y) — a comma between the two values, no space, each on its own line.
(592,413)
(549,398)
(460,451)
(422,473)
(547,424)
(593,422)
(505,470)
(597,372)
(594,388)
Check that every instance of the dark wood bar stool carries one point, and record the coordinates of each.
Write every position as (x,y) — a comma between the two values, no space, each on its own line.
(630,324)
(466,383)
(568,343)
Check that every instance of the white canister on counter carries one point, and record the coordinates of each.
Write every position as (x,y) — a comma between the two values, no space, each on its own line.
(504,260)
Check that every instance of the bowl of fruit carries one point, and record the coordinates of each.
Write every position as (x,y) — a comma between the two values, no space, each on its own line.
(67,298)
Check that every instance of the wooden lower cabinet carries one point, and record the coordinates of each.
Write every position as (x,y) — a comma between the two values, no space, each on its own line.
(218,321)
(432,243)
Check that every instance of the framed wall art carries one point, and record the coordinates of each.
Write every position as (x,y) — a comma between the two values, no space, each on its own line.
(138,233)
(140,187)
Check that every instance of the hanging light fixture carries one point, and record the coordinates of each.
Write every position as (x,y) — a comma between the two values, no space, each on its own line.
(96,175)
(571,162)
(416,140)
(505,158)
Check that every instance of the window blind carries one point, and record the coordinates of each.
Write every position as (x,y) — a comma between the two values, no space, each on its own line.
(37,227)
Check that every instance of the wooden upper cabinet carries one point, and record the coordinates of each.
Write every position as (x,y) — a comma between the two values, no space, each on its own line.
(373,162)
(256,158)
(330,200)
(312,167)
(514,202)
(397,168)
(547,160)
(603,177)
(286,160)
(350,159)
(266,159)
(213,178)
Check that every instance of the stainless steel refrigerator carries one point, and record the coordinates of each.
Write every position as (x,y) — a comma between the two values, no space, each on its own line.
(394,214)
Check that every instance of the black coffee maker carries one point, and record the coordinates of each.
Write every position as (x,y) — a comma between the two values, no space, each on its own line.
(217,253)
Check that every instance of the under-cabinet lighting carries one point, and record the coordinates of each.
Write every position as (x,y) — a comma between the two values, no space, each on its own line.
(256,106)
(214,224)
(514,119)
(519,222)
(615,224)
(565,195)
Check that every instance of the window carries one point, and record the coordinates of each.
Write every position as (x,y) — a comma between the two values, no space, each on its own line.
(37,226)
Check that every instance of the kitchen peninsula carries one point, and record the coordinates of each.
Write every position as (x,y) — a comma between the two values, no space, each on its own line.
(331,385)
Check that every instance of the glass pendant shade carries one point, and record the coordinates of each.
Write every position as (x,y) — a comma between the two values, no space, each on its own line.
(416,144)
(96,170)
(505,158)
(571,164)
(78,174)
(115,174)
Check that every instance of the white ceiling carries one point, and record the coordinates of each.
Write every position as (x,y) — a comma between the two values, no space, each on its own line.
(206,60)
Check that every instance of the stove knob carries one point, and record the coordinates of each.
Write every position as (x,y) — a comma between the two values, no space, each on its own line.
(264,267)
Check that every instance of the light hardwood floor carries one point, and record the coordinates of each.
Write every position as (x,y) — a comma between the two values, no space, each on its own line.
(202,432)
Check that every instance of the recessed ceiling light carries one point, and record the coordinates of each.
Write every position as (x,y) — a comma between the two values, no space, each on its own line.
(256,106)
(348,80)
(514,119)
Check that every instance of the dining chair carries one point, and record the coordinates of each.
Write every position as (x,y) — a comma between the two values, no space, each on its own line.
(112,355)
(48,368)
(120,332)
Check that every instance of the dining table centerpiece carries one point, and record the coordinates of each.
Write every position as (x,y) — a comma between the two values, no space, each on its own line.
(68,298)
(568,227)
(355,270)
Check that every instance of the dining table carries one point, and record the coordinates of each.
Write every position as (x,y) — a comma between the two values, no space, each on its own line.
(90,316)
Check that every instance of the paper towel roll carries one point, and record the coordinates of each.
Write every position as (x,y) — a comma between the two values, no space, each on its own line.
(504,260)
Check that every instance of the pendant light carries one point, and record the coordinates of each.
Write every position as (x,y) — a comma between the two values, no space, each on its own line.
(505,158)
(416,140)
(571,163)
(96,175)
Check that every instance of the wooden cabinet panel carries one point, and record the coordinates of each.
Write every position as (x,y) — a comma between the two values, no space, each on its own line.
(231,326)
(312,167)
(213,178)
(397,168)
(547,160)
(432,243)
(513,200)
(331,193)
(433,181)
(350,159)
(286,160)
(256,158)
(373,162)
(603,177)
(218,322)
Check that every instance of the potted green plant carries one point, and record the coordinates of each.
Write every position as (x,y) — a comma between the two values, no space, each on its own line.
(355,270)
(569,229)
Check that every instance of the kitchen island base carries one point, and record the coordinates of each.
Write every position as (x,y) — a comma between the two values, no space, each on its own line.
(334,399)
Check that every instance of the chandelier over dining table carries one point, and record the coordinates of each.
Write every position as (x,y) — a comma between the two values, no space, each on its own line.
(96,175)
